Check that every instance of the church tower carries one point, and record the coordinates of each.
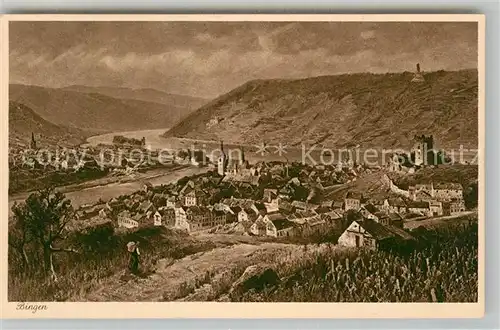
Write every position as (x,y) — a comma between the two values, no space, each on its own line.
(423,145)
(222,162)
(33,142)
(242,156)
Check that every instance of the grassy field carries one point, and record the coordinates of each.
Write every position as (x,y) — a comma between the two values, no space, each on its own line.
(443,268)
(177,266)
(102,253)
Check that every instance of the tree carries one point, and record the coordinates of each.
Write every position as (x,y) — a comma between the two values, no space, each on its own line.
(19,235)
(300,193)
(96,239)
(43,217)
(183,154)
(470,195)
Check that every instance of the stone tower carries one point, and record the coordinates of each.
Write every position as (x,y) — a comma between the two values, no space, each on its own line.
(423,144)
(418,77)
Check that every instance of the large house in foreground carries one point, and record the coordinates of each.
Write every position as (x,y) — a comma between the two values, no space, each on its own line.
(370,234)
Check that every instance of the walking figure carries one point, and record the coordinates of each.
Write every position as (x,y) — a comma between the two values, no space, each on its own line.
(133,249)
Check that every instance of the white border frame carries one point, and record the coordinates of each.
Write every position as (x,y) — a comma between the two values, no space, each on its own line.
(253,310)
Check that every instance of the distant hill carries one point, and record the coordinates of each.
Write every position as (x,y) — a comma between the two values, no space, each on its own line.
(23,121)
(95,112)
(144,94)
(372,110)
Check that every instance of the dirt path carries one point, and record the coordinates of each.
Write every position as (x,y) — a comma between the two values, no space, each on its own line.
(169,282)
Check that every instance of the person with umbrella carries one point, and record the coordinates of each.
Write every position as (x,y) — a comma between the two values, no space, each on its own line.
(133,249)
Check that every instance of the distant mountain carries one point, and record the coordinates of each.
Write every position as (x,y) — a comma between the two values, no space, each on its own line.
(23,121)
(94,111)
(144,94)
(370,110)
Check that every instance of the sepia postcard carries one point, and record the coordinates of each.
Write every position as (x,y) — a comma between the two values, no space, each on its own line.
(243,166)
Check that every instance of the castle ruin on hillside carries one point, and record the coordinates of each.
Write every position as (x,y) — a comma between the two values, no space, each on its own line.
(420,150)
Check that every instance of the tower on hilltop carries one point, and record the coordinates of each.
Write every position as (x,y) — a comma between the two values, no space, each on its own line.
(418,77)
(423,145)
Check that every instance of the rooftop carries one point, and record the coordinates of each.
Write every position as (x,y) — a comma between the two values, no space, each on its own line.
(380,232)
(275,216)
(396,202)
(371,208)
(354,195)
(419,205)
(282,224)
(448,186)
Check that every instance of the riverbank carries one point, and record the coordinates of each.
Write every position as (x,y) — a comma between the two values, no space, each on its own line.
(306,153)
(92,191)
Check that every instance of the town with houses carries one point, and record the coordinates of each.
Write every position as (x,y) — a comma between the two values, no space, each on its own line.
(286,200)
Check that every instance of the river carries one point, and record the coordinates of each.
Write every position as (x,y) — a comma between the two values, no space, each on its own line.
(105,192)
(311,154)
(93,193)
(156,142)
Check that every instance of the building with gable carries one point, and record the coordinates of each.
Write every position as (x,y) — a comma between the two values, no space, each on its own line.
(371,234)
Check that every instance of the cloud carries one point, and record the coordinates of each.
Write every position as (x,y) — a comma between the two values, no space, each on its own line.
(208,59)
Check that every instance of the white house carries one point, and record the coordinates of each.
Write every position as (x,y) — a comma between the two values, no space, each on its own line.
(274,225)
(357,236)
(273,206)
(102,213)
(436,208)
(170,202)
(262,227)
(246,215)
(125,220)
(181,218)
(448,191)
(369,234)
(157,219)
(420,208)
(394,205)
(190,199)
(352,200)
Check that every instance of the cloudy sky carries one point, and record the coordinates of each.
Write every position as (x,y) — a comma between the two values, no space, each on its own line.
(208,59)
